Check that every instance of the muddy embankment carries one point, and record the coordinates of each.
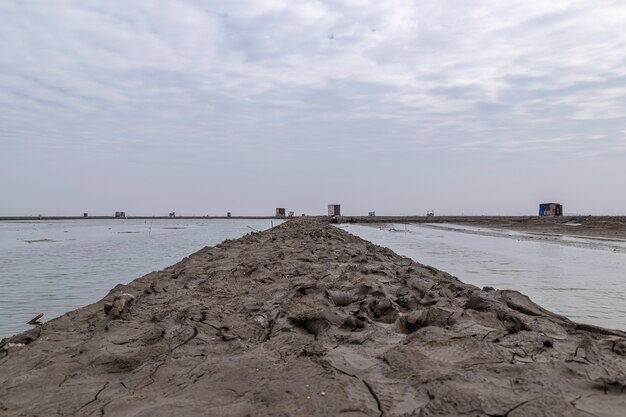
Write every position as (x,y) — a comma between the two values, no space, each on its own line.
(306,319)
(611,227)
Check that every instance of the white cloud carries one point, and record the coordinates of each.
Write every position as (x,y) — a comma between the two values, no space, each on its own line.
(442,75)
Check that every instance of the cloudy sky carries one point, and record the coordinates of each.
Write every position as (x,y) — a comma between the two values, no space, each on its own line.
(203,107)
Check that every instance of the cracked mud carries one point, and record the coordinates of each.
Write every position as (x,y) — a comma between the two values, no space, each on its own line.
(306,319)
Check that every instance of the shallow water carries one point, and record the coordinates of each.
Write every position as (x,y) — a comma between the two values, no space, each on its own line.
(57,266)
(586,284)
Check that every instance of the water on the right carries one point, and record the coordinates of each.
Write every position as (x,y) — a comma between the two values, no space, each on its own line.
(585,282)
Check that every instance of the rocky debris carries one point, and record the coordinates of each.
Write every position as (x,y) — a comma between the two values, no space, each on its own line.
(306,319)
(35,320)
(115,309)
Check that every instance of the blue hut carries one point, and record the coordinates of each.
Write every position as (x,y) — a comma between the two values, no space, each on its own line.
(550,209)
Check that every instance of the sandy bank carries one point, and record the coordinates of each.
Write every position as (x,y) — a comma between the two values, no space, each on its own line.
(306,319)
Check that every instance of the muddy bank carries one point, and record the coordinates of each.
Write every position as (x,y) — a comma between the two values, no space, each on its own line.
(306,319)
(593,226)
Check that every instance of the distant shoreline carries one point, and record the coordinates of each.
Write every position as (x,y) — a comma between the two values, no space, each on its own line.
(49,218)
(478,220)
(596,226)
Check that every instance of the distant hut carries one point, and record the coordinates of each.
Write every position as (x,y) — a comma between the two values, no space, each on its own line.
(85,214)
(228,214)
(334,210)
(281,212)
(372,214)
(120,214)
(550,209)
(173,214)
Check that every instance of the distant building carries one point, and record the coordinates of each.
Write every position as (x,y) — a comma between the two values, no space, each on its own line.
(173,214)
(430,213)
(550,209)
(372,214)
(228,214)
(334,210)
(85,214)
(120,214)
(290,214)
(281,212)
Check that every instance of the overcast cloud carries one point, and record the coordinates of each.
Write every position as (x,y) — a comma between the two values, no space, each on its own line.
(203,107)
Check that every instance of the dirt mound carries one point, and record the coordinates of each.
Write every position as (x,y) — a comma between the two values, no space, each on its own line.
(306,319)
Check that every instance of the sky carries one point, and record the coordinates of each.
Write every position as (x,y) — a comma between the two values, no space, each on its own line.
(399,107)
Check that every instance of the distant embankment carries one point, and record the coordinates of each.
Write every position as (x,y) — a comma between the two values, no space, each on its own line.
(48,218)
(611,227)
(480,220)
(435,219)
(605,222)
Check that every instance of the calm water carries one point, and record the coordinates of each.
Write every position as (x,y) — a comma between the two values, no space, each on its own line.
(586,284)
(80,261)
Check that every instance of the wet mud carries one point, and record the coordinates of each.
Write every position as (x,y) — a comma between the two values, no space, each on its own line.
(306,319)
(603,227)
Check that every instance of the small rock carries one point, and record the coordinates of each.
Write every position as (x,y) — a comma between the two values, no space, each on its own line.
(620,348)
(107,307)
(416,317)
(115,309)
(128,297)
(12,345)
(35,320)
(118,307)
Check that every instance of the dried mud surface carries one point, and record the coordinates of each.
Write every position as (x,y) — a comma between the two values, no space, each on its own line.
(308,320)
